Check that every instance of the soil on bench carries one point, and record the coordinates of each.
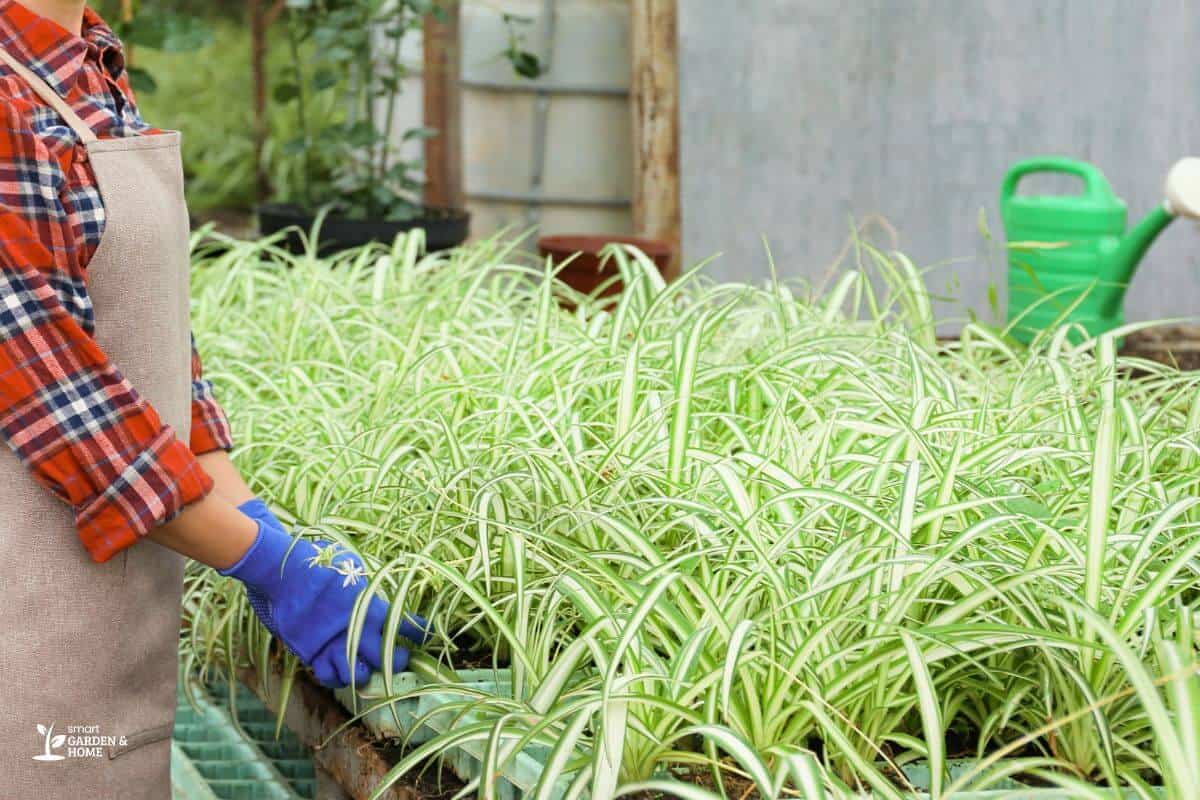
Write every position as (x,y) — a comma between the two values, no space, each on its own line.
(737,787)
(1173,345)
(430,781)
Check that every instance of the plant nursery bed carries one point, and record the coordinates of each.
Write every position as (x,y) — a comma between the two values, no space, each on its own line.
(776,538)
(421,709)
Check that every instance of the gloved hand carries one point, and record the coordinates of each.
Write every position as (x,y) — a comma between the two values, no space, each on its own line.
(307,605)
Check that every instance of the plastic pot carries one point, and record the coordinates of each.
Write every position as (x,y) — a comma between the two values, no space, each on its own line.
(585,270)
(445,228)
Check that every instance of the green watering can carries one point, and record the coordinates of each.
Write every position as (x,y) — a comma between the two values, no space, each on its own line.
(1069,256)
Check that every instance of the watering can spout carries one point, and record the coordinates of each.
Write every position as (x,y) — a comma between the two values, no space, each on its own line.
(1122,262)
(1182,199)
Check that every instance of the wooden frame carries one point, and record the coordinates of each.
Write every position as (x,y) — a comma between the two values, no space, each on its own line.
(443,108)
(654,102)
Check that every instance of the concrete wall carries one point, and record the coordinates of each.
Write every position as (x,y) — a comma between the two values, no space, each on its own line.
(799,115)
(563,140)
(571,145)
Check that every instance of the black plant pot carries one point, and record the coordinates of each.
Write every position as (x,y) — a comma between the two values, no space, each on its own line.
(444,228)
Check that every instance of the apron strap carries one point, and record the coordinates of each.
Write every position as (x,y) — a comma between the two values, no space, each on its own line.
(81,128)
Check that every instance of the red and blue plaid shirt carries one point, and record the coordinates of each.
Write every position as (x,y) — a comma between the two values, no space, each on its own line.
(65,409)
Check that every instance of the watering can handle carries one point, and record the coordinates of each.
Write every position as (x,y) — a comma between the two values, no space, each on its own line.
(1094,183)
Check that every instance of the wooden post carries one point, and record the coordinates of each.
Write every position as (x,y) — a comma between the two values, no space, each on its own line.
(261,20)
(654,100)
(443,108)
(126,15)
(258,80)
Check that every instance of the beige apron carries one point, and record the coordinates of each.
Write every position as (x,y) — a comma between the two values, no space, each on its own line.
(92,648)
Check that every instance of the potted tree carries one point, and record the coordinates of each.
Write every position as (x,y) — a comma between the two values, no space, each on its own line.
(345,70)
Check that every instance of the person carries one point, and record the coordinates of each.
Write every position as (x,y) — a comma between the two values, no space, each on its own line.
(118,464)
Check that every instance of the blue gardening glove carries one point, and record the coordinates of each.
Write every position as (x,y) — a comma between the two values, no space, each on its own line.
(307,606)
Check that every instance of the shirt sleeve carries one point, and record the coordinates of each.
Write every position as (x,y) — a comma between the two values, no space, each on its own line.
(71,417)
(210,427)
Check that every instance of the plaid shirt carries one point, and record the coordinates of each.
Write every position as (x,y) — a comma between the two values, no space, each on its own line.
(68,413)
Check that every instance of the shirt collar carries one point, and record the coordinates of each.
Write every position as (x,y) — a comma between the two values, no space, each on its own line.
(52,52)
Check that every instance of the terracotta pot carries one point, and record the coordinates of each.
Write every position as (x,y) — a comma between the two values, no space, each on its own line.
(585,272)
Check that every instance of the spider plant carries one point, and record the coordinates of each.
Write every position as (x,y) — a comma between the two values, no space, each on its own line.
(724,535)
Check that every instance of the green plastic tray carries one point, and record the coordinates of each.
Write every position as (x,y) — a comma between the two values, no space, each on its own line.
(217,755)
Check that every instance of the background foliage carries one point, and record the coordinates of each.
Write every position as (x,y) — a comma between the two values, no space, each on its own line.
(333,72)
(190,67)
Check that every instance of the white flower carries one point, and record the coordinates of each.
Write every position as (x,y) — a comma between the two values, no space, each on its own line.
(347,567)
(352,572)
